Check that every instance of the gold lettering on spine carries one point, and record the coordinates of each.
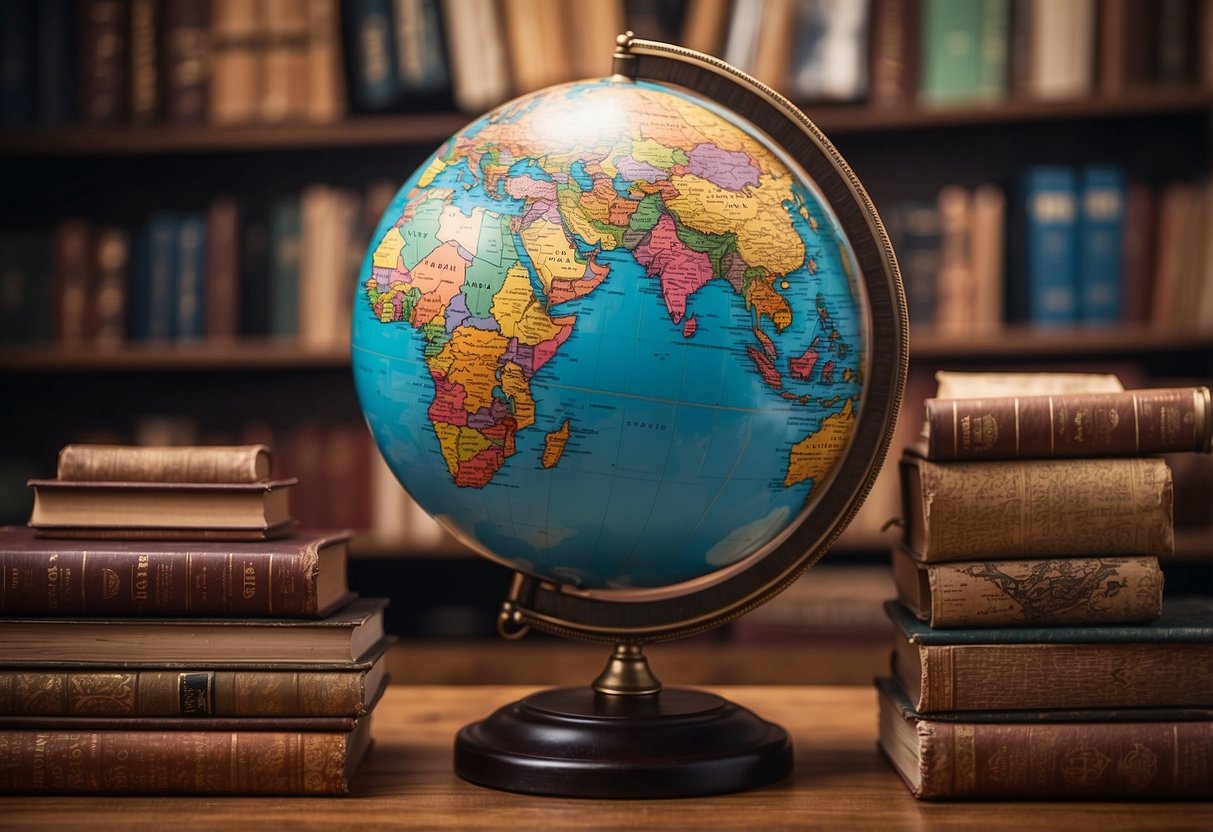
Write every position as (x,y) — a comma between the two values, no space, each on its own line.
(964,758)
(269,593)
(81,582)
(1136,424)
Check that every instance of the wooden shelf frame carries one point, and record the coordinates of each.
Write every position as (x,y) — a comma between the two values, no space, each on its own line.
(433,128)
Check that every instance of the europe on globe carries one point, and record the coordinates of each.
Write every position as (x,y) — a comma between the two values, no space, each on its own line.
(611,336)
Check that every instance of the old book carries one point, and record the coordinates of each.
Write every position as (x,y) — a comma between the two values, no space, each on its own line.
(1044,591)
(238,42)
(1133,422)
(894,52)
(1036,508)
(1161,664)
(528,22)
(480,75)
(309,759)
(951,384)
(72,274)
(185,57)
(143,61)
(326,100)
(196,690)
(343,636)
(223,268)
(105,315)
(955,281)
(174,510)
(194,463)
(1083,755)
(103,61)
(284,61)
(293,577)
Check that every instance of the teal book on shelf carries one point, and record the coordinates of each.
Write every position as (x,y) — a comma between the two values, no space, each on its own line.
(1049,281)
(1102,197)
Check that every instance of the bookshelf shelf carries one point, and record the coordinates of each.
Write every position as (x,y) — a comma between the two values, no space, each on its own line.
(432,128)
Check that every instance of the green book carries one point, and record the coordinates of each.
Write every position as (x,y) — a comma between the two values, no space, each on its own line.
(965,47)
(1167,663)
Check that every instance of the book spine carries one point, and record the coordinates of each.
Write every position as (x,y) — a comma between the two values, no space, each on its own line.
(371,51)
(286,240)
(103,61)
(893,52)
(173,693)
(1054,592)
(195,463)
(62,580)
(419,53)
(156,311)
(1067,760)
(237,71)
(191,267)
(107,312)
(222,268)
(993,50)
(1038,508)
(974,677)
(144,75)
(951,34)
(186,60)
(1133,423)
(1101,241)
(57,57)
(176,762)
(1051,215)
(325,76)
(915,229)
(72,264)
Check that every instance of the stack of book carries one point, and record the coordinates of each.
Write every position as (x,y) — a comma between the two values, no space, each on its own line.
(165,629)
(1034,655)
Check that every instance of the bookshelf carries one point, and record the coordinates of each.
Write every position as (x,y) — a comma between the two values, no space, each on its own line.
(120,173)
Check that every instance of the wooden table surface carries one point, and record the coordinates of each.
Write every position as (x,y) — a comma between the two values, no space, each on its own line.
(840,782)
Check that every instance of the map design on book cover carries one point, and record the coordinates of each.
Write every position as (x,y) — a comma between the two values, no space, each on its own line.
(1058,586)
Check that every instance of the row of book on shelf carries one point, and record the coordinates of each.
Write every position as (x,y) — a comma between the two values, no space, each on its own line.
(1062,246)
(1035,653)
(168,626)
(272,61)
(284,268)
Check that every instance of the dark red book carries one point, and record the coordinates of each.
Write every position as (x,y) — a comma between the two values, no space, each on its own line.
(303,576)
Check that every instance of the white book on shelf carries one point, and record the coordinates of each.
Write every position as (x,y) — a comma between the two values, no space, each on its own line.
(479,72)
(745,26)
(1061,49)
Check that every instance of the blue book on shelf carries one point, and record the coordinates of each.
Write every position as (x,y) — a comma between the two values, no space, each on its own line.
(285,242)
(1051,245)
(57,61)
(1102,192)
(154,294)
(17,63)
(370,49)
(190,286)
(420,54)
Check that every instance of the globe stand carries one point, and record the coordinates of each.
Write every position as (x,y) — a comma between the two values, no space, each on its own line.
(624,736)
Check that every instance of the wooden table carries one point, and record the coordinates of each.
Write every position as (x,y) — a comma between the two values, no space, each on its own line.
(840,782)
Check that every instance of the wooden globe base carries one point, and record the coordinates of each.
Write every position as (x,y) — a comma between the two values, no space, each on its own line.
(577,742)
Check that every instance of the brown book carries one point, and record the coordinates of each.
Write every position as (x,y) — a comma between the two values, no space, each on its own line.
(72,275)
(292,577)
(343,636)
(284,91)
(894,51)
(168,510)
(1085,755)
(1036,508)
(954,292)
(191,463)
(185,56)
(1166,663)
(1046,591)
(222,268)
(1137,253)
(144,75)
(103,61)
(527,23)
(237,71)
(226,760)
(325,79)
(1132,423)
(105,316)
(191,690)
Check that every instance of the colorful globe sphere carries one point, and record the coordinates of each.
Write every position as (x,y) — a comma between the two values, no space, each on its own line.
(611,336)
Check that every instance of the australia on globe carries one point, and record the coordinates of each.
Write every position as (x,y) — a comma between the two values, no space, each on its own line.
(611,336)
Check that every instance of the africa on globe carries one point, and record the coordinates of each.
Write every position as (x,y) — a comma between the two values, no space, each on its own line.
(611,336)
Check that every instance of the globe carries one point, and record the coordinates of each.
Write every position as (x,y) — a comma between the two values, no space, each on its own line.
(642,340)
(612,336)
